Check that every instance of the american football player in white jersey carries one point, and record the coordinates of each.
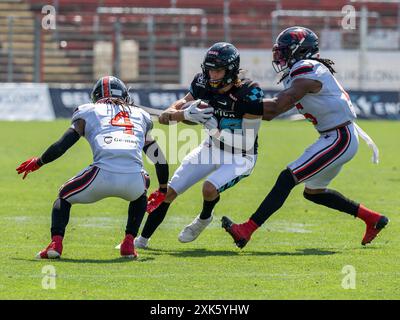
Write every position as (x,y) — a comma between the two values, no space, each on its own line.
(117,132)
(311,87)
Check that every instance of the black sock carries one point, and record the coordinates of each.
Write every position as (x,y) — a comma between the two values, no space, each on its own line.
(208,207)
(334,200)
(136,213)
(154,220)
(60,217)
(275,198)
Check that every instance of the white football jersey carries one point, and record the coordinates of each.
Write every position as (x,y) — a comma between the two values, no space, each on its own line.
(328,108)
(115,134)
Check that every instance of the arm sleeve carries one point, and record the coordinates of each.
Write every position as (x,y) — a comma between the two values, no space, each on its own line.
(58,148)
(243,139)
(155,154)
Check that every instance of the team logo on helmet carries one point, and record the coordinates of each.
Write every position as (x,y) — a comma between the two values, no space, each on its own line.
(293,44)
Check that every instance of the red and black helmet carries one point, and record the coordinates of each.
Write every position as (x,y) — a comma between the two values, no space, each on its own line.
(110,87)
(293,44)
(221,55)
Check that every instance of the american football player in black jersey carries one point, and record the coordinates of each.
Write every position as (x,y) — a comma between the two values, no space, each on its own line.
(228,154)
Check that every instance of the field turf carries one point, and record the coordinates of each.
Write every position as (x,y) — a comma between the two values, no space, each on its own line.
(298,254)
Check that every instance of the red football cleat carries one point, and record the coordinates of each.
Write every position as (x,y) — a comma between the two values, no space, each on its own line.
(241,233)
(373,228)
(154,200)
(53,250)
(127,248)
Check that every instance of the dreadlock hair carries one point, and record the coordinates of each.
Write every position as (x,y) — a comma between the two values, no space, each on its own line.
(117,101)
(327,63)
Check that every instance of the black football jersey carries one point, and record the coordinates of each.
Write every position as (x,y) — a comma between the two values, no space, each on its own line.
(223,104)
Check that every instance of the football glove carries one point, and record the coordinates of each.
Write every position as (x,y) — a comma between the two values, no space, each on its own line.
(211,124)
(194,114)
(28,166)
(154,200)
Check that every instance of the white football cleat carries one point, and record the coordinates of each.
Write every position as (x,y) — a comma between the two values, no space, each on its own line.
(138,242)
(193,230)
(141,242)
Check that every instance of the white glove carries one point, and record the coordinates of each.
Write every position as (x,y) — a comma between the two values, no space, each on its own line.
(194,114)
(211,123)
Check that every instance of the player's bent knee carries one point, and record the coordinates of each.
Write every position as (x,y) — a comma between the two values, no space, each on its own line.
(309,194)
(286,180)
(313,195)
(209,191)
(60,202)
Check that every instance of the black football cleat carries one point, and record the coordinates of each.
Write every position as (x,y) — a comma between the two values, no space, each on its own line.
(235,230)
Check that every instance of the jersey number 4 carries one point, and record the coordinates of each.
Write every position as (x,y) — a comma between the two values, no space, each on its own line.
(122,120)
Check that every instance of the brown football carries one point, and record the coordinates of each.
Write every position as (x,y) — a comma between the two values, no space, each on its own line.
(202,105)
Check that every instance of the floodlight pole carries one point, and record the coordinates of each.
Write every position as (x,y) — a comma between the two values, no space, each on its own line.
(363,45)
(10,71)
(227,36)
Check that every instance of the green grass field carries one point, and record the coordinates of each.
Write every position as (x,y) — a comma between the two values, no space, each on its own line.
(298,254)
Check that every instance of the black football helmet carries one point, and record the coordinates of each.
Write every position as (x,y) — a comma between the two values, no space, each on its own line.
(110,87)
(221,55)
(293,44)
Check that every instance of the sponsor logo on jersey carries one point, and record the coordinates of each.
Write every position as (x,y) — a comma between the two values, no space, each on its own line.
(224,113)
(124,140)
(108,139)
(232,97)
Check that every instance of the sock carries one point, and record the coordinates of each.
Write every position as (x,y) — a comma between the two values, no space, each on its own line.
(154,220)
(334,200)
(275,199)
(57,238)
(136,213)
(208,207)
(60,217)
(163,190)
(369,216)
(250,226)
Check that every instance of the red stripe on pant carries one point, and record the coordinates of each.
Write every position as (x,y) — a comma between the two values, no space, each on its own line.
(317,156)
(78,184)
(321,162)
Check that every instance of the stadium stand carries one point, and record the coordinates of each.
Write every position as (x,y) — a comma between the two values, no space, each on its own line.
(67,52)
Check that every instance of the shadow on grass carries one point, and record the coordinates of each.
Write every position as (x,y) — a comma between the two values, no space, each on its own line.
(207,253)
(96,261)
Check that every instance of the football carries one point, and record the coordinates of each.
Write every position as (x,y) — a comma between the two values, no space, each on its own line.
(202,105)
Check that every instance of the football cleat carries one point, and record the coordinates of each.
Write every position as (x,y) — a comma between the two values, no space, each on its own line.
(373,229)
(154,200)
(127,248)
(239,232)
(53,250)
(193,230)
(141,242)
